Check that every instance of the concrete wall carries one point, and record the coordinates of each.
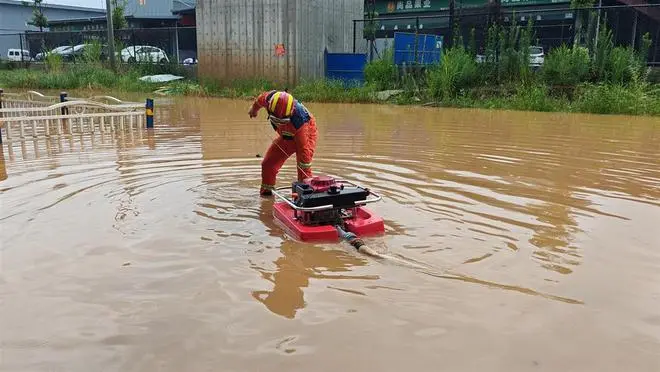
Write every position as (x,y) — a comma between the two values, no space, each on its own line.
(237,38)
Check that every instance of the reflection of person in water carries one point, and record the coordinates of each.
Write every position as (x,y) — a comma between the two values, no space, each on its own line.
(299,263)
(286,298)
(295,268)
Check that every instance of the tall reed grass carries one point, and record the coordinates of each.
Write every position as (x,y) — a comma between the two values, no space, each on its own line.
(80,76)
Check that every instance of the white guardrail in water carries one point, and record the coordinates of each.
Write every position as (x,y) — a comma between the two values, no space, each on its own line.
(32,115)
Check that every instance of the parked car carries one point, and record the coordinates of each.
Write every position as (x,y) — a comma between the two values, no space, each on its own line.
(71,53)
(190,61)
(143,53)
(77,52)
(18,55)
(187,57)
(58,50)
(536,57)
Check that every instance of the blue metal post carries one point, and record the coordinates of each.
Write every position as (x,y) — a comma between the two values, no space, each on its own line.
(63,99)
(149,110)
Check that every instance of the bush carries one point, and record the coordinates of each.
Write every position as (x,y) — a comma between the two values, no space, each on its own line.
(533,98)
(619,65)
(525,97)
(566,66)
(54,62)
(602,53)
(79,76)
(92,52)
(382,73)
(623,66)
(637,99)
(457,70)
(513,53)
(332,91)
(9,65)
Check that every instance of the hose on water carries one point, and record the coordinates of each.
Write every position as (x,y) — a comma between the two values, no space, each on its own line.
(361,247)
(357,243)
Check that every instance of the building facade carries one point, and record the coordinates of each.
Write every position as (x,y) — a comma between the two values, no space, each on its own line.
(14,18)
(554,20)
(551,17)
(138,14)
(155,23)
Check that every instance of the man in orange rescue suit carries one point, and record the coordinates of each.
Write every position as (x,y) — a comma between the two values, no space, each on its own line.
(296,127)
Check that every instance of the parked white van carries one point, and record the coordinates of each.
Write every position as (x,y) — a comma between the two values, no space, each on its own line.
(15,55)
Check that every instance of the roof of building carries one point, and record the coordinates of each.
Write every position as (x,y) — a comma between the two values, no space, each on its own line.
(184,11)
(56,6)
(155,9)
(76,20)
(101,19)
(183,6)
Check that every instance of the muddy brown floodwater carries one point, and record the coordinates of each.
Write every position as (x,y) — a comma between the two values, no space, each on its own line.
(152,251)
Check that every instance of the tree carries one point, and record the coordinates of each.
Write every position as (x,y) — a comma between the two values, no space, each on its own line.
(38,17)
(118,18)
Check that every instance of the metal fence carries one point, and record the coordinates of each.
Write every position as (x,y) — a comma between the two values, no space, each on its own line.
(167,44)
(552,26)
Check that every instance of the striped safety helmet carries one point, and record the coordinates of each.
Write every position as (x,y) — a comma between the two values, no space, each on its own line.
(280,105)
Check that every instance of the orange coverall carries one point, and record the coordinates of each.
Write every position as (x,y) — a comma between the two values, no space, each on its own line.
(297,134)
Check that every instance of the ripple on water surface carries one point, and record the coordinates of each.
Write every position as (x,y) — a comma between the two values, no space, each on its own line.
(124,251)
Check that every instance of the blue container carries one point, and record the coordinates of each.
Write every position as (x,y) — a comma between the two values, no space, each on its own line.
(346,67)
(429,48)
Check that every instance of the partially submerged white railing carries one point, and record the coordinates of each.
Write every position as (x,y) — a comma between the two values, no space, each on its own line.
(28,99)
(36,148)
(20,119)
(33,98)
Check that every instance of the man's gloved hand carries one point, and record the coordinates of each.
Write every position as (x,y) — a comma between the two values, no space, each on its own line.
(253,111)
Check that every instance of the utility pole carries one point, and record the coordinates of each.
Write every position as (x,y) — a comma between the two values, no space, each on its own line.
(111,35)
(600,4)
(452,20)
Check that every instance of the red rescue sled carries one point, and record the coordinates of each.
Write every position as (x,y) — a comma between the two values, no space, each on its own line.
(319,204)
